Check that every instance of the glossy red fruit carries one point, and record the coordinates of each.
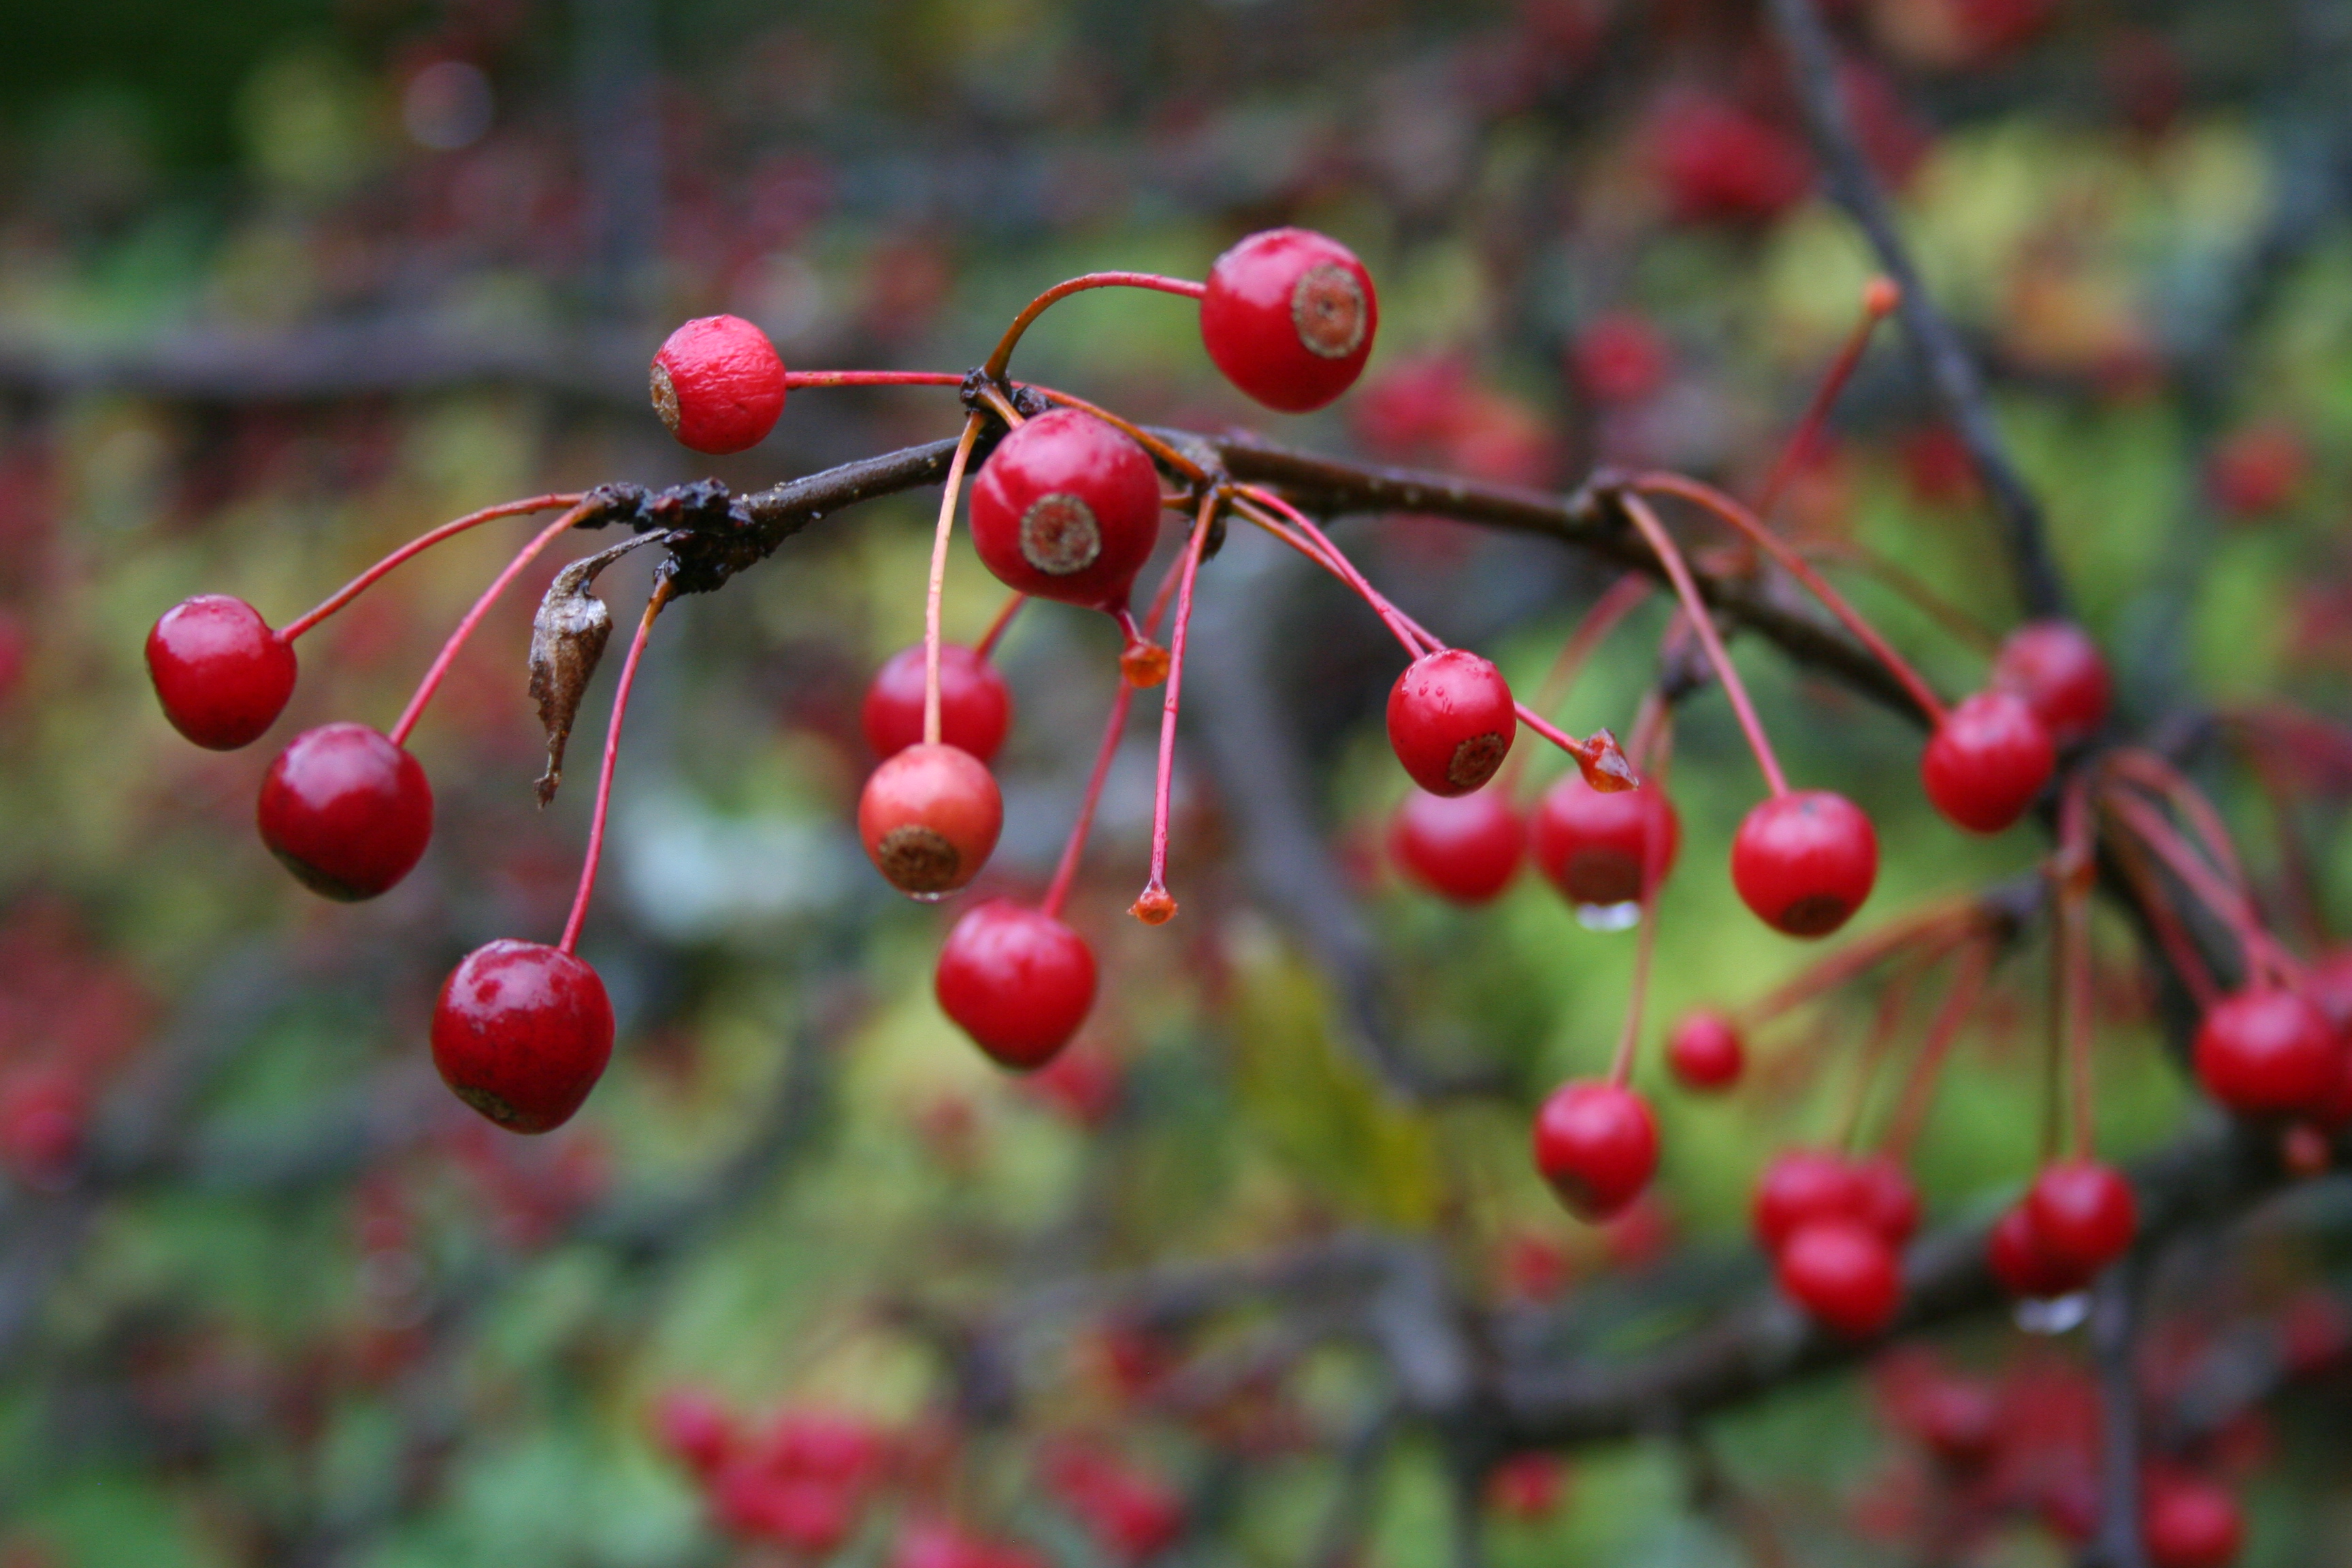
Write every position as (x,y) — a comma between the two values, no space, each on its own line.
(2268,1052)
(930,818)
(522,1032)
(1066,508)
(2084,1214)
(348,812)
(1987,761)
(1597,1144)
(1466,848)
(2058,669)
(2188,1522)
(1805,861)
(1799,1187)
(718,385)
(1451,721)
(2022,1265)
(1886,1198)
(221,674)
(1844,1274)
(1598,845)
(1704,1052)
(975,705)
(1289,318)
(1017,981)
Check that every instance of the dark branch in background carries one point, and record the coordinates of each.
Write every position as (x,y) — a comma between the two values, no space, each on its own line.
(2115,1344)
(1942,355)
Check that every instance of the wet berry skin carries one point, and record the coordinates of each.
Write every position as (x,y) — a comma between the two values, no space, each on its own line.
(348,812)
(2268,1053)
(1597,846)
(1597,1145)
(1987,761)
(975,705)
(929,818)
(1451,721)
(522,1032)
(1017,981)
(1805,861)
(718,385)
(1289,318)
(1844,1274)
(1066,508)
(221,674)
(1464,848)
(2057,669)
(2084,1214)
(1704,1052)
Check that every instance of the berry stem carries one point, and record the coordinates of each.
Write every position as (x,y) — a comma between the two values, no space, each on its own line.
(2160,777)
(1922,598)
(1918,1087)
(569,941)
(1002,406)
(994,369)
(2228,904)
(1797,566)
(938,584)
(1154,906)
(997,627)
(1677,571)
(793,378)
(450,650)
(417,546)
(1602,618)
(1885,1022)
(2178,950)
(2075,871)
(1879,299)
(1934,927)
(1645,940)
(1157,447)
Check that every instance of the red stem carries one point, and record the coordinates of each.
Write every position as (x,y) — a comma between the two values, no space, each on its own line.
(1003,621)
(1142,437)
(572,924)
(1613,607)
(994,369)
(2076,872)
(940,576)
(2178,950)
(1959,1005)
(795,378)
(450,650)
(422,543)
(1922,598)
(1154,906)
(2227,904)
(2167,781)
(1878,300)
(1645,940)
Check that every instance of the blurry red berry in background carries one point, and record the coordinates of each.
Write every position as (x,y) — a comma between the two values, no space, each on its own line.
(1620,357)
(1597,1144)
(2257,470)
(1527,1486)
(975,704)
(2061,675)
(16,650)
(1704,1052)
(1936,467)
(44,1121)
(1720,163)
(2191,1522)
(1844,1274)
(1463,848)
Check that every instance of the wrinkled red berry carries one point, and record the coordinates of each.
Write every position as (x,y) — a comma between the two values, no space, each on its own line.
(2022,1265)
(1451,721)
(2268,1052)
(1987,761)
(348,812)
(522,1032)
(1805,861)
(221,674)
(1466,848)
(930,818)
(1289,318)
(1799,1187)
(1704,1052)
(2059,670)
(2190,1522)
(1597,1144)
(1844,1274)
(975,705)
(2084,1214)
(1602,846)
(1066,508)
(1017,981)
(718,385)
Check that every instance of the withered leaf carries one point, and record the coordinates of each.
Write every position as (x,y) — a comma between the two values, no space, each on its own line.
(567,639)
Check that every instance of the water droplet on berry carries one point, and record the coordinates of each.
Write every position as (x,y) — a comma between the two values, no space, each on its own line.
(1609,917)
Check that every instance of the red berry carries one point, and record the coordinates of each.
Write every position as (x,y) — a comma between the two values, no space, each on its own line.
(1597,1145)
(1451,721)
(1527,1486)
(1289,318)
(1885,1199)
(1805,861)
(522,1032)
(975,705)
(1987,761)
(1960,1423)
(1844,1274)
(695,1428)
(221,674)
(2022,1265)
(718,385)
(1466,848)
(1718,162)
(348,812)
(1017,981)
(2268,1052)
(1621,358)
(1704,1052)
(2084,1214)
(930,818)
(44,1118)
(1799,1187)
(1598,845)
(2191,1524)
(2258,470)
(1066,508)
(2059,670)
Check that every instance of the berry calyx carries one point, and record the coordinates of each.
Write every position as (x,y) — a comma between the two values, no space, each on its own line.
(2267,1052)
(2058,669)
(2024,1266)
(1066,508)
(1289,317)
(975,705)
(1805,861)
(1017,981)
(1597,1144)
(1604,847)
(2190,1522)
(346,810)
(1988,761)
(2084,1214)
(1464,848)
(719,384)
(221,674)
(1844,1274)
(1799,1187)
(1885,1199)
(1451,721)
(1706,1053)
(929,818)
(522,1032)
